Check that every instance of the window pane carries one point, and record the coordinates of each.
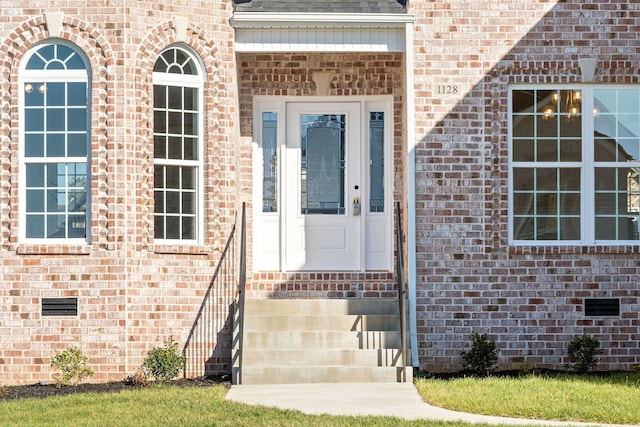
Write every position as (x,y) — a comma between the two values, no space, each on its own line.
(77,226)
(523,150)
(569,204)
(175,97)
(546,179)
(159,96)
(172,224)
(35,200)
(523,203)
(188,178)
(158,227)
(35,226)
(55,145)
(77,94)
(35,174)
(55,119)
(322,164)
(34,120)
(56,227)
(188,228)
(190,149)
(34,145)
(547,150)
(76,202)
(174,124)
(160,147)
(160,121)
(34,94)
(376,169)
(570,229)
(158,203)
(190,124)
(77,119)
(570,179)
(56,94)
(175,148)
(269,162)
(523,179)
(570,150)
(172,177)
(172,202)
(158,177)
(77,145)
(606,228)
(188,203)
(191,99)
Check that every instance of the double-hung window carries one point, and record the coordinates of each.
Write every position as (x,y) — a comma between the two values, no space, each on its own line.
(177,106)
(574,165)
(54,161)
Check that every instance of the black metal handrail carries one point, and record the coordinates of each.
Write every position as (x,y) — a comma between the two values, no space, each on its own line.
(242,281)
(402,289)
(207,349)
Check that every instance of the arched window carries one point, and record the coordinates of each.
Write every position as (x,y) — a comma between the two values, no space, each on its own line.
(177,107)
(55,111)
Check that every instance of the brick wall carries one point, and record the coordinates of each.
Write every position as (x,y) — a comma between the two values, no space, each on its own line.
(132,294)
(530,300)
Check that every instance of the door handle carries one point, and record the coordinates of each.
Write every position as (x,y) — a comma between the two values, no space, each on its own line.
(356,206)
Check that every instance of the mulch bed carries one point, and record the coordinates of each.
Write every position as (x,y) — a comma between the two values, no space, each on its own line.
(43,390)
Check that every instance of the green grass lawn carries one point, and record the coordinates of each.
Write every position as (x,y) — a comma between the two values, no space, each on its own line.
(611,398)
(166,405)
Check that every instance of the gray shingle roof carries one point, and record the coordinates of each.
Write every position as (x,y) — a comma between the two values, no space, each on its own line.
(323,6)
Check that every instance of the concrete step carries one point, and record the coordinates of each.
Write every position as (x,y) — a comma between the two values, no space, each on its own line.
(309,322)
(322,339)
(316,356)
(321,374)
(290,341)
(292,307)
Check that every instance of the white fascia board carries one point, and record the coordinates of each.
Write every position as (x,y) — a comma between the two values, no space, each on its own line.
(326,32)
(319,20)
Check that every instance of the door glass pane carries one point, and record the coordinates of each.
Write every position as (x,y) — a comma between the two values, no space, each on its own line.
(269,162)
(322,164)
(376,167)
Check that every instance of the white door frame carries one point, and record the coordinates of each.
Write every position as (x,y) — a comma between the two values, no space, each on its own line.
(268,232)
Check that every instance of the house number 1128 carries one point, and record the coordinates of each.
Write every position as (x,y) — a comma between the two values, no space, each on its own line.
(446,90)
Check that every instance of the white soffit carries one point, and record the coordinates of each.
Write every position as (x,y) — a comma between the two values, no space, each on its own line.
(327,32)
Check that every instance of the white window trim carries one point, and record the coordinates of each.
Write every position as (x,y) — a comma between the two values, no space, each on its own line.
(55,76)
(193,81)
(587,167)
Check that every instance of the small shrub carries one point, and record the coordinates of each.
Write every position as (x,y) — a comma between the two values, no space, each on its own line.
(138,379)
(164,363)
(527,368)
(481,356)
(583,351)
(72,364)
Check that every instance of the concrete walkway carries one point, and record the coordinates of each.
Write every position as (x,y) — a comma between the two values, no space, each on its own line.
(400,400)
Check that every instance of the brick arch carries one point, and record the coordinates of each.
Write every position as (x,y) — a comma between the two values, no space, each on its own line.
(100,56)
(158,39)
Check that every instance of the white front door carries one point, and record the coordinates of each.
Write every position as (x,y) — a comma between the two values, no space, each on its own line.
(313,158)
(323,187)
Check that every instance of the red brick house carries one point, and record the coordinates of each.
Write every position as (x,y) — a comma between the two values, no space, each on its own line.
(132,133)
